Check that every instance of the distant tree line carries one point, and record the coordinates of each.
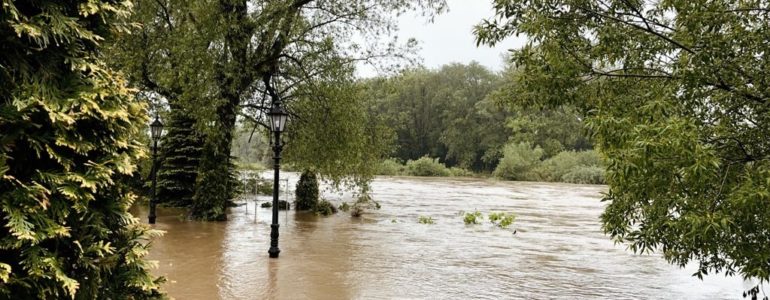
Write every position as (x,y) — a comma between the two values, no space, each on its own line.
(460,115)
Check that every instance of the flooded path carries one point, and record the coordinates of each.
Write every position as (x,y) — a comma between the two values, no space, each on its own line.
(558,251)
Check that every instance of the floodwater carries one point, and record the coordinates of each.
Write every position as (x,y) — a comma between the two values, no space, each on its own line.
(557,250)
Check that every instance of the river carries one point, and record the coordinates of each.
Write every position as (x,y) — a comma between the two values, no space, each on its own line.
(557,250)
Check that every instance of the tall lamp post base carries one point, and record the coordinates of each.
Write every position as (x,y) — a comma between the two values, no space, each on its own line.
(274,251)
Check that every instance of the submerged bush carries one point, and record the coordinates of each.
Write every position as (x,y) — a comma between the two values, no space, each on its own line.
(282,205)
(307,191)
(501,219)
(425,220)
(344,207)
(325,208)
(426,166)
(363,203)
(473,218)
(518,161)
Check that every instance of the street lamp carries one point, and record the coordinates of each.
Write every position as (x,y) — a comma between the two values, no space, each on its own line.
(156,130)
(278,116)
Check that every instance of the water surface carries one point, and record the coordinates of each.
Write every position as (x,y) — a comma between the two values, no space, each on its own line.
(557,251)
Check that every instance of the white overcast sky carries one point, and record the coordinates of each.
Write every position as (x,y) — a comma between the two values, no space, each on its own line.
(450,37)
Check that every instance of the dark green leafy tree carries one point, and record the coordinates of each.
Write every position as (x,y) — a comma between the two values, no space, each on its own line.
(554,129)
(679,103)
(443,113)
(68,126)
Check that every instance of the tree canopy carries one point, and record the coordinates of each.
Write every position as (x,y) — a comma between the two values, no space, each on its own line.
(678,98)
(221,60)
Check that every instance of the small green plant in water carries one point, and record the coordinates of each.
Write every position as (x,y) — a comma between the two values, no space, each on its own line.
(425,220)
(362,203)
(325,208)
(473,218)
(501,219)
(282,204)
(344,207)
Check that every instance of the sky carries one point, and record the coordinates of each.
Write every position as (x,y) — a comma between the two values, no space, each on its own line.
(450,37)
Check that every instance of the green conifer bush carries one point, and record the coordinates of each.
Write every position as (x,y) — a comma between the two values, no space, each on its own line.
(180,157)
(69,138)
(307,191)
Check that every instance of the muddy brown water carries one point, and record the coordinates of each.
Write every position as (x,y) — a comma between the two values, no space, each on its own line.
(558,250)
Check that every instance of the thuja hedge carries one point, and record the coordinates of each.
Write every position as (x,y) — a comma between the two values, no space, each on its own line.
(68,129)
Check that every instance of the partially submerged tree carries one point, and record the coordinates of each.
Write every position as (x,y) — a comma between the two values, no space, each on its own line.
(679,101)
(68,126)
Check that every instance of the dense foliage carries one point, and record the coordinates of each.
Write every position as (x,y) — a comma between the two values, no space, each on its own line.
(426,166)
(442,113)
(679,100)
(325,208)
(180,156)
(69,128)
(523,162)
(306,192)
(227,59)
(456,114)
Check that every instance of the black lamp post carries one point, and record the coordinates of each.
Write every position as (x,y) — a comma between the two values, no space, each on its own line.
(278,116)
(156,130)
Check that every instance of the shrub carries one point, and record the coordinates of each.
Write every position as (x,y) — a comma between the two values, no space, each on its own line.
(363,203)
(391,167)
(585,175)
(518,161)
(344,207)
(325,208)
(253,184)
(460,172)
(282,205)
(557,167)
(264,188)
(426,166)
(473,218)
(425,220)
(502,220)
(307,191)
(356,211)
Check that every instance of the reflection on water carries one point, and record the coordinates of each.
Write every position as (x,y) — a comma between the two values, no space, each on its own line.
(557,252)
